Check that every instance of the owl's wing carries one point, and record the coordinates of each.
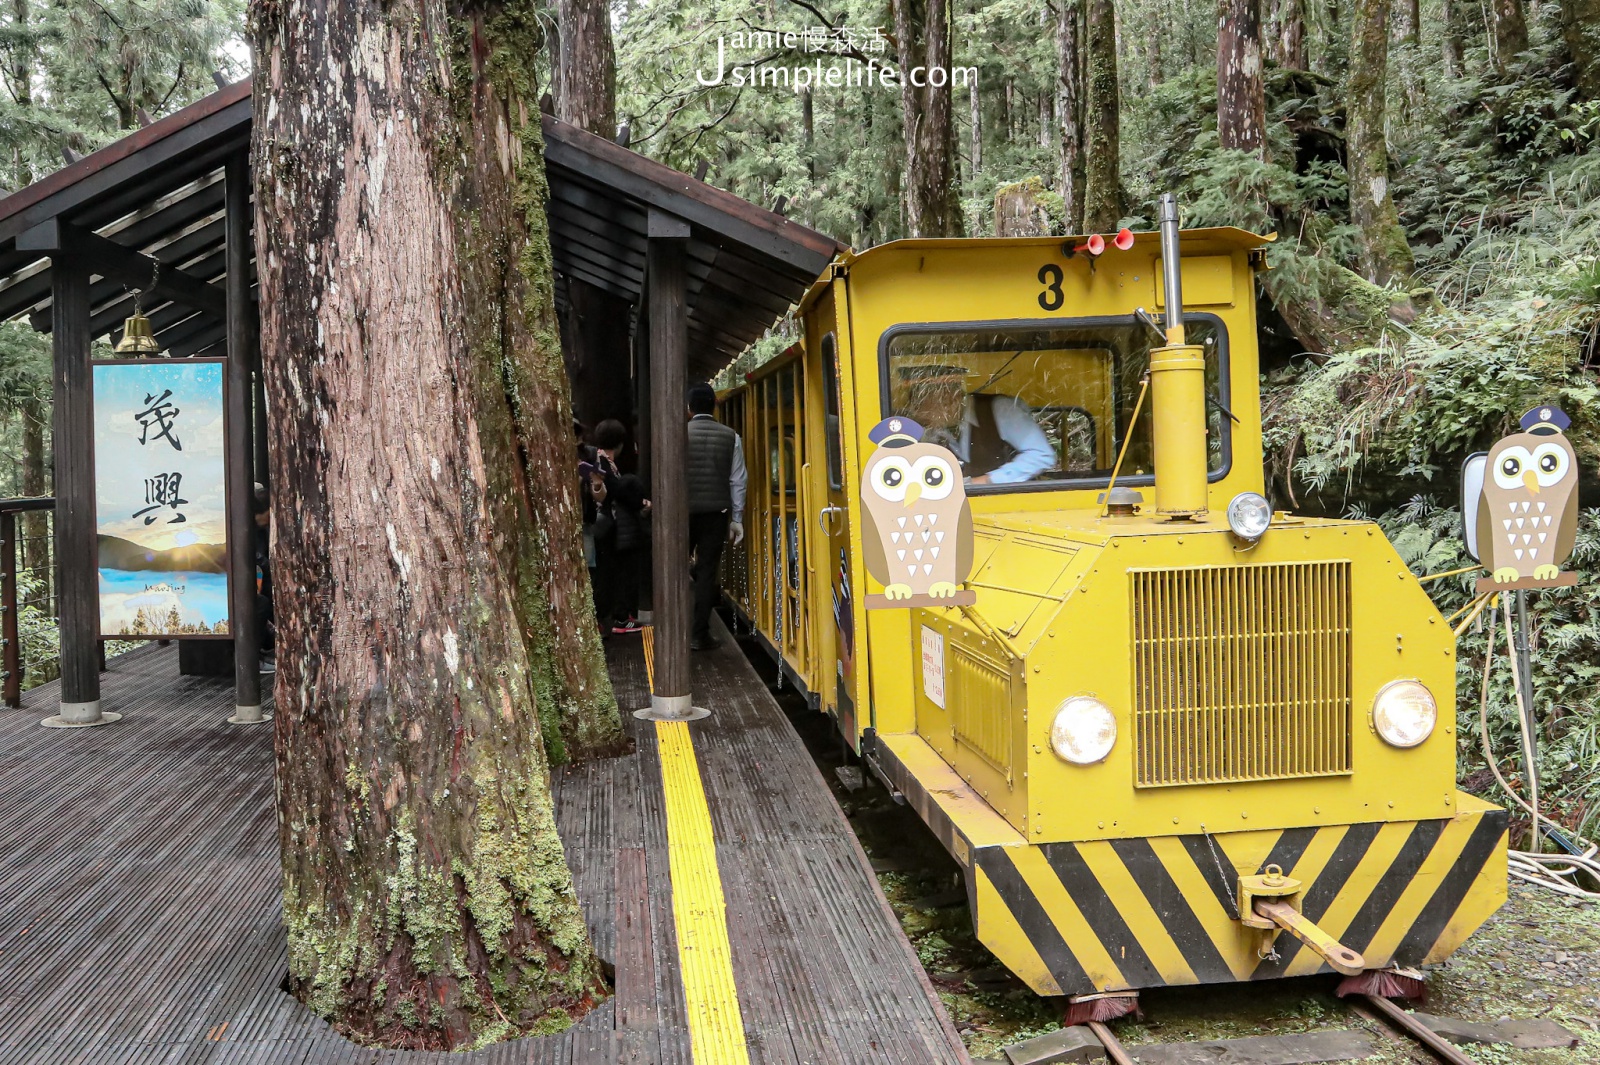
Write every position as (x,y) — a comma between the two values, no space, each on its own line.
(964,541)
(1486,540)
(872,546)
(1567,531)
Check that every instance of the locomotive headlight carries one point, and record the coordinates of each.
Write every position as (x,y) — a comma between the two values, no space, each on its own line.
(1083,731)
(1249,515)
(1404,713)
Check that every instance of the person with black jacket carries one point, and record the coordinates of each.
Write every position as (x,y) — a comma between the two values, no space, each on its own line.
(620,533)
(715,475)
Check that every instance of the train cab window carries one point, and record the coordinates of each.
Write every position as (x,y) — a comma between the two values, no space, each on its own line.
(830,389)
(1042,405)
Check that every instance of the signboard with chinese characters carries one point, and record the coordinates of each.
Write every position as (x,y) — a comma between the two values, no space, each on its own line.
(160,498)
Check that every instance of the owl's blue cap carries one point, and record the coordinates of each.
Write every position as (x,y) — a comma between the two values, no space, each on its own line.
(895,431)
(1545,421)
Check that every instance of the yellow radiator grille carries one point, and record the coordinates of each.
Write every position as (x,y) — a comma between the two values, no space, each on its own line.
(980,700)
(1241,672)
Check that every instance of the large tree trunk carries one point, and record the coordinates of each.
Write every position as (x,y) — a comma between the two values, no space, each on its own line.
(975,106)
(1452,45)
(1288,37)
(1069,97)
(1102,174)
(430,575)
(1382,247)
(932,192)
(1241,97)
(1156,30)
(1510,32)
(1580,26)
(587,95)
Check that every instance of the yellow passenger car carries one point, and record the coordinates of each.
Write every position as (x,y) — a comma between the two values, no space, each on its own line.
(1148,723)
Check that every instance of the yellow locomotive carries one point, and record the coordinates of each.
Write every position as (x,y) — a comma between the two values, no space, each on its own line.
(1167,724)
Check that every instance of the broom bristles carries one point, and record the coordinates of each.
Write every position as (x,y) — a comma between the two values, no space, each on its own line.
(1385,983)
(1100,1009)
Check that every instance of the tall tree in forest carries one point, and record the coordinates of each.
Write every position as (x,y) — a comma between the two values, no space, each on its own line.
(1289,34)
(1510,31)
(1580,26)
(932,189)
(1069,105)
(1241,97)
(426,519)
(1381,242)
(595,328)
(1452,43)
(586,88)
(1102,142)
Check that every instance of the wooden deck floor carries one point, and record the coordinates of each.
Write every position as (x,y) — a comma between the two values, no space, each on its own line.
(140,910)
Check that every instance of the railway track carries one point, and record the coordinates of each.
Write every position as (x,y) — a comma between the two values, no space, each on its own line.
(1077,1043)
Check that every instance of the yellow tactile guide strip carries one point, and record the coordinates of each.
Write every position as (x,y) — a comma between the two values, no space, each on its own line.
(705,959)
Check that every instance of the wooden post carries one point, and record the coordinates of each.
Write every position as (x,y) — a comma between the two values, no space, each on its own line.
(77,584)
(669,342)
(641,383)
(8,604)
(239,396)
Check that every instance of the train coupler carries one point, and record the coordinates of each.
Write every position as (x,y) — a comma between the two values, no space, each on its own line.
(1270,902)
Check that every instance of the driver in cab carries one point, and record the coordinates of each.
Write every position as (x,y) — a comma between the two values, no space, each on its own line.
(994,436)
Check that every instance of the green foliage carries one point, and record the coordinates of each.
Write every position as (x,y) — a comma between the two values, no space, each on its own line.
(37,633)
(77,72)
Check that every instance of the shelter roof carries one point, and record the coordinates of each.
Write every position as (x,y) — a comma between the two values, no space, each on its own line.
(159,191)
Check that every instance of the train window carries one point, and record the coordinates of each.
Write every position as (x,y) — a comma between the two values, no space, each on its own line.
(1042,405)
(830,389)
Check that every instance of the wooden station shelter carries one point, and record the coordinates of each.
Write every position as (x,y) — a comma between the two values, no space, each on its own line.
(164,217)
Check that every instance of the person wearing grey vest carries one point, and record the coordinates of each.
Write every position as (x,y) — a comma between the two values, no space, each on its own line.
(714,477)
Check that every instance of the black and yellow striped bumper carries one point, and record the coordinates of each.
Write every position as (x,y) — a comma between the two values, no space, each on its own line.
(1073,918)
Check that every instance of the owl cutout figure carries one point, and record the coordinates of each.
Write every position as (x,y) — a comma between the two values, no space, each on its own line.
(917,533)
(1528,512)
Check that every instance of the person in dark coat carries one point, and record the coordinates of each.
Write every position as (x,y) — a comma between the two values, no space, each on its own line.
(715,476)
(620,532)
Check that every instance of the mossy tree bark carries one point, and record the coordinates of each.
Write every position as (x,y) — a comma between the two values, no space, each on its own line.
(1241,96)
(1288,38)
(1102,108)
(1382,248)
(1580,26)
(431,605)
(1510,31)
(1452,42)
(932,189)
(1069,105)
(586,93)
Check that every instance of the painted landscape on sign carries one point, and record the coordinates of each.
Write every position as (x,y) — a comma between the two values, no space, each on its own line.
(159,498)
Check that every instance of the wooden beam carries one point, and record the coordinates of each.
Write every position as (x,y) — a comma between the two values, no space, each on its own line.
(668,447)
(156,225)
(77,583)
(241,491)
(110,259)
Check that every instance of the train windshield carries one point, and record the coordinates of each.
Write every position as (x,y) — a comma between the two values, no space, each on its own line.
(1043,406)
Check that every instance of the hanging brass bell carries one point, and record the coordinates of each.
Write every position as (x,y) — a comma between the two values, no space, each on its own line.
(137,337)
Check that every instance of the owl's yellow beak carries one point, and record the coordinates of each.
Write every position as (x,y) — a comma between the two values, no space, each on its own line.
(1531,479)
(913,493)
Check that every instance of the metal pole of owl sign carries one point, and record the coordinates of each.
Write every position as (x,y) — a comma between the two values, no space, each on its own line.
(1520,505)
(917,536)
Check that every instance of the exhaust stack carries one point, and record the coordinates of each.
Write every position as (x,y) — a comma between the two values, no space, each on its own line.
(1177,394)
